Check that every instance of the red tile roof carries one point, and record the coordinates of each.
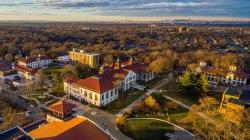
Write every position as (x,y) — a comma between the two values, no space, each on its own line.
(108,80)
(62,107)
(26,69)
(241,74)
(137,67)
(96,84)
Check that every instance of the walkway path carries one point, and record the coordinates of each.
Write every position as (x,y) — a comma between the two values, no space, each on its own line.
(189,108)
(130,107)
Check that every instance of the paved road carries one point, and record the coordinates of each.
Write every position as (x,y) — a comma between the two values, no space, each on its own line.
(149,92)
(102,118)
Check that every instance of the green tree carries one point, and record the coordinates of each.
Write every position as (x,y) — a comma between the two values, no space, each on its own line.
(194,83)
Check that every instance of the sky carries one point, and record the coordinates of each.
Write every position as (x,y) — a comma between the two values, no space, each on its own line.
(116,10)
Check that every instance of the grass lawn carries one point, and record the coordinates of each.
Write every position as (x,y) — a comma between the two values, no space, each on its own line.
(148,129)
(152,83)
(173,113)
(123,101)
(42,99)
(51,70)
(173,90)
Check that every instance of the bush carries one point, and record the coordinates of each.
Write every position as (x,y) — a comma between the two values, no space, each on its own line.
(172,105)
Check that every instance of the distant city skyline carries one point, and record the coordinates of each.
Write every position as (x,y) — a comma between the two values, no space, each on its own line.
(116,10)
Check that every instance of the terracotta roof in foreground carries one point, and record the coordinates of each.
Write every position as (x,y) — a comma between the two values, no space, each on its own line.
(62,107)
(76,129)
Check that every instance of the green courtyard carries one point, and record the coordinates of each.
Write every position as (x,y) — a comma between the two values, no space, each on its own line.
(123,101)
(147,129)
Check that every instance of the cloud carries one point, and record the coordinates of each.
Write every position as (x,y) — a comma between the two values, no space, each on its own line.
(142,8)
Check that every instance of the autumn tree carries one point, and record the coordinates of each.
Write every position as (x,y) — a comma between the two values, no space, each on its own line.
(8,57)
(209,122)
(157,66)
(121,120)
(40,80)
(151,103)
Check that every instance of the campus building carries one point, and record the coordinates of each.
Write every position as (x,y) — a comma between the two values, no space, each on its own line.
(35,62)
(60,111)
(27,67)
(231,76)
(79,56)
(94,90)
(26,72)
(76,128)
(103,88)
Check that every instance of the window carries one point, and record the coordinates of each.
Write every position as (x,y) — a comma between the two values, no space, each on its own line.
(102,97)
(85,94)
(111,93)
(96,98)
(107,95)
(90,95)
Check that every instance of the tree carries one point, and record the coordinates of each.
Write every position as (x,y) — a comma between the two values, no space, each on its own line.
(57,81)
(211,123)
(8,57)
(157,65)
(68,70)
(28,91)
(151,103)
(121,120)
(194,83)
(40,80)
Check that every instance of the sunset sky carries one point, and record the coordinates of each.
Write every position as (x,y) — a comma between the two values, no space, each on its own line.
(111,10)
